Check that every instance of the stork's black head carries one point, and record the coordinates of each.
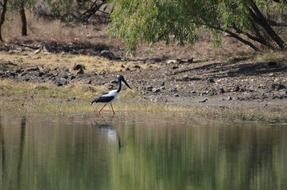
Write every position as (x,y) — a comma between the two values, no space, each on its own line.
(121,78)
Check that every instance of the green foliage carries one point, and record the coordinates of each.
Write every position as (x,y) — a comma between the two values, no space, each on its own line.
(61,7)
(152,20)
(16,4)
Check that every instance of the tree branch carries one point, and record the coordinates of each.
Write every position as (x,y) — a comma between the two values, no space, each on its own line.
(258,38)
(92,10)
(260,19)
(232,34)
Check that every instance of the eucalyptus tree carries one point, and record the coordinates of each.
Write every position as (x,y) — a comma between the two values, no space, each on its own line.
(20,6)
(15,5)
(80,10)
(152,21)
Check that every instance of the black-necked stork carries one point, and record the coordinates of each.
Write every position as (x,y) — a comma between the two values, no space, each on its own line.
(111,95)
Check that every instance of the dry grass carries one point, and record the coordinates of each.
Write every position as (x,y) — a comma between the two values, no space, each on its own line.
(66,61)
(40,29)
(271,56)
(49,99)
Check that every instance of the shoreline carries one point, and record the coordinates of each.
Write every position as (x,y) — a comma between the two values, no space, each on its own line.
(256,82)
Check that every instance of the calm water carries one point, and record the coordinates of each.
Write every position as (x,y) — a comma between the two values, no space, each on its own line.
(140,151)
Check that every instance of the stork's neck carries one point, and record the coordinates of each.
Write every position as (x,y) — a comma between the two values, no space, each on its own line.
(120,86)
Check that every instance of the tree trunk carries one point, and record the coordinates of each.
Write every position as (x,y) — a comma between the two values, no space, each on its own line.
(23,18)
(2,17)
(259,18)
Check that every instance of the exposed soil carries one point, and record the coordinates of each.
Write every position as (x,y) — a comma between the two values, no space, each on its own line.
(175,75)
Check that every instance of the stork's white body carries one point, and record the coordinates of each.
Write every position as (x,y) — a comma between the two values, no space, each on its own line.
(112,93)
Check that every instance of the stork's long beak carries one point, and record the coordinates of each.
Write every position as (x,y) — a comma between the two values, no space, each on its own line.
(126,83)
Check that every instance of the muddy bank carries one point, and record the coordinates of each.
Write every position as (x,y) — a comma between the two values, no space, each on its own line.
(190,80)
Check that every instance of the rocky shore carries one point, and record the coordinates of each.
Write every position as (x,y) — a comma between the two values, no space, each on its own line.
(189,80)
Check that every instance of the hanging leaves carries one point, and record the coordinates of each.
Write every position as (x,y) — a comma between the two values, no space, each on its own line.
(169,20)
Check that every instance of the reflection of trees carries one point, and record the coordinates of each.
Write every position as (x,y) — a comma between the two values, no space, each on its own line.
(201,158)
(11,161)
(21,150)
(3,153)
(68,156)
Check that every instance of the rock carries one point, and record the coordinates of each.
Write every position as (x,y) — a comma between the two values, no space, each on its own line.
(71,99)
(236,88)
(155,90)
(149,88)
(203,101)
(193,92)
(32,69)
(61,82)
(38,50)
(282,94)
(211,92)
(102,73)
(171,61)
(80,68)
(65,75)
(187,78)
(210,80)
(272,64)
(176,95)
(277,86)
(174,67)
(221,90)
(240,98)
(183,60)
(89,81)
(27,79)
(277,96)
(174,90)
(108,54)
(137,67)
(72,77)
(229,98)
(190,60)
(41,73)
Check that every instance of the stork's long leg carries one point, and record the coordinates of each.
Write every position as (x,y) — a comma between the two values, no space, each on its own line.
(112,108)
(102,108)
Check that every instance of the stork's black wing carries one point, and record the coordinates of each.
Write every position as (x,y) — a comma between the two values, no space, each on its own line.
(103,99)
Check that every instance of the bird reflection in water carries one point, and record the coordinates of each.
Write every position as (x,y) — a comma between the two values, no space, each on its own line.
(108,131)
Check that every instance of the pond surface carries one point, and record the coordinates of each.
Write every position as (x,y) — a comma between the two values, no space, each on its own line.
(140,151)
